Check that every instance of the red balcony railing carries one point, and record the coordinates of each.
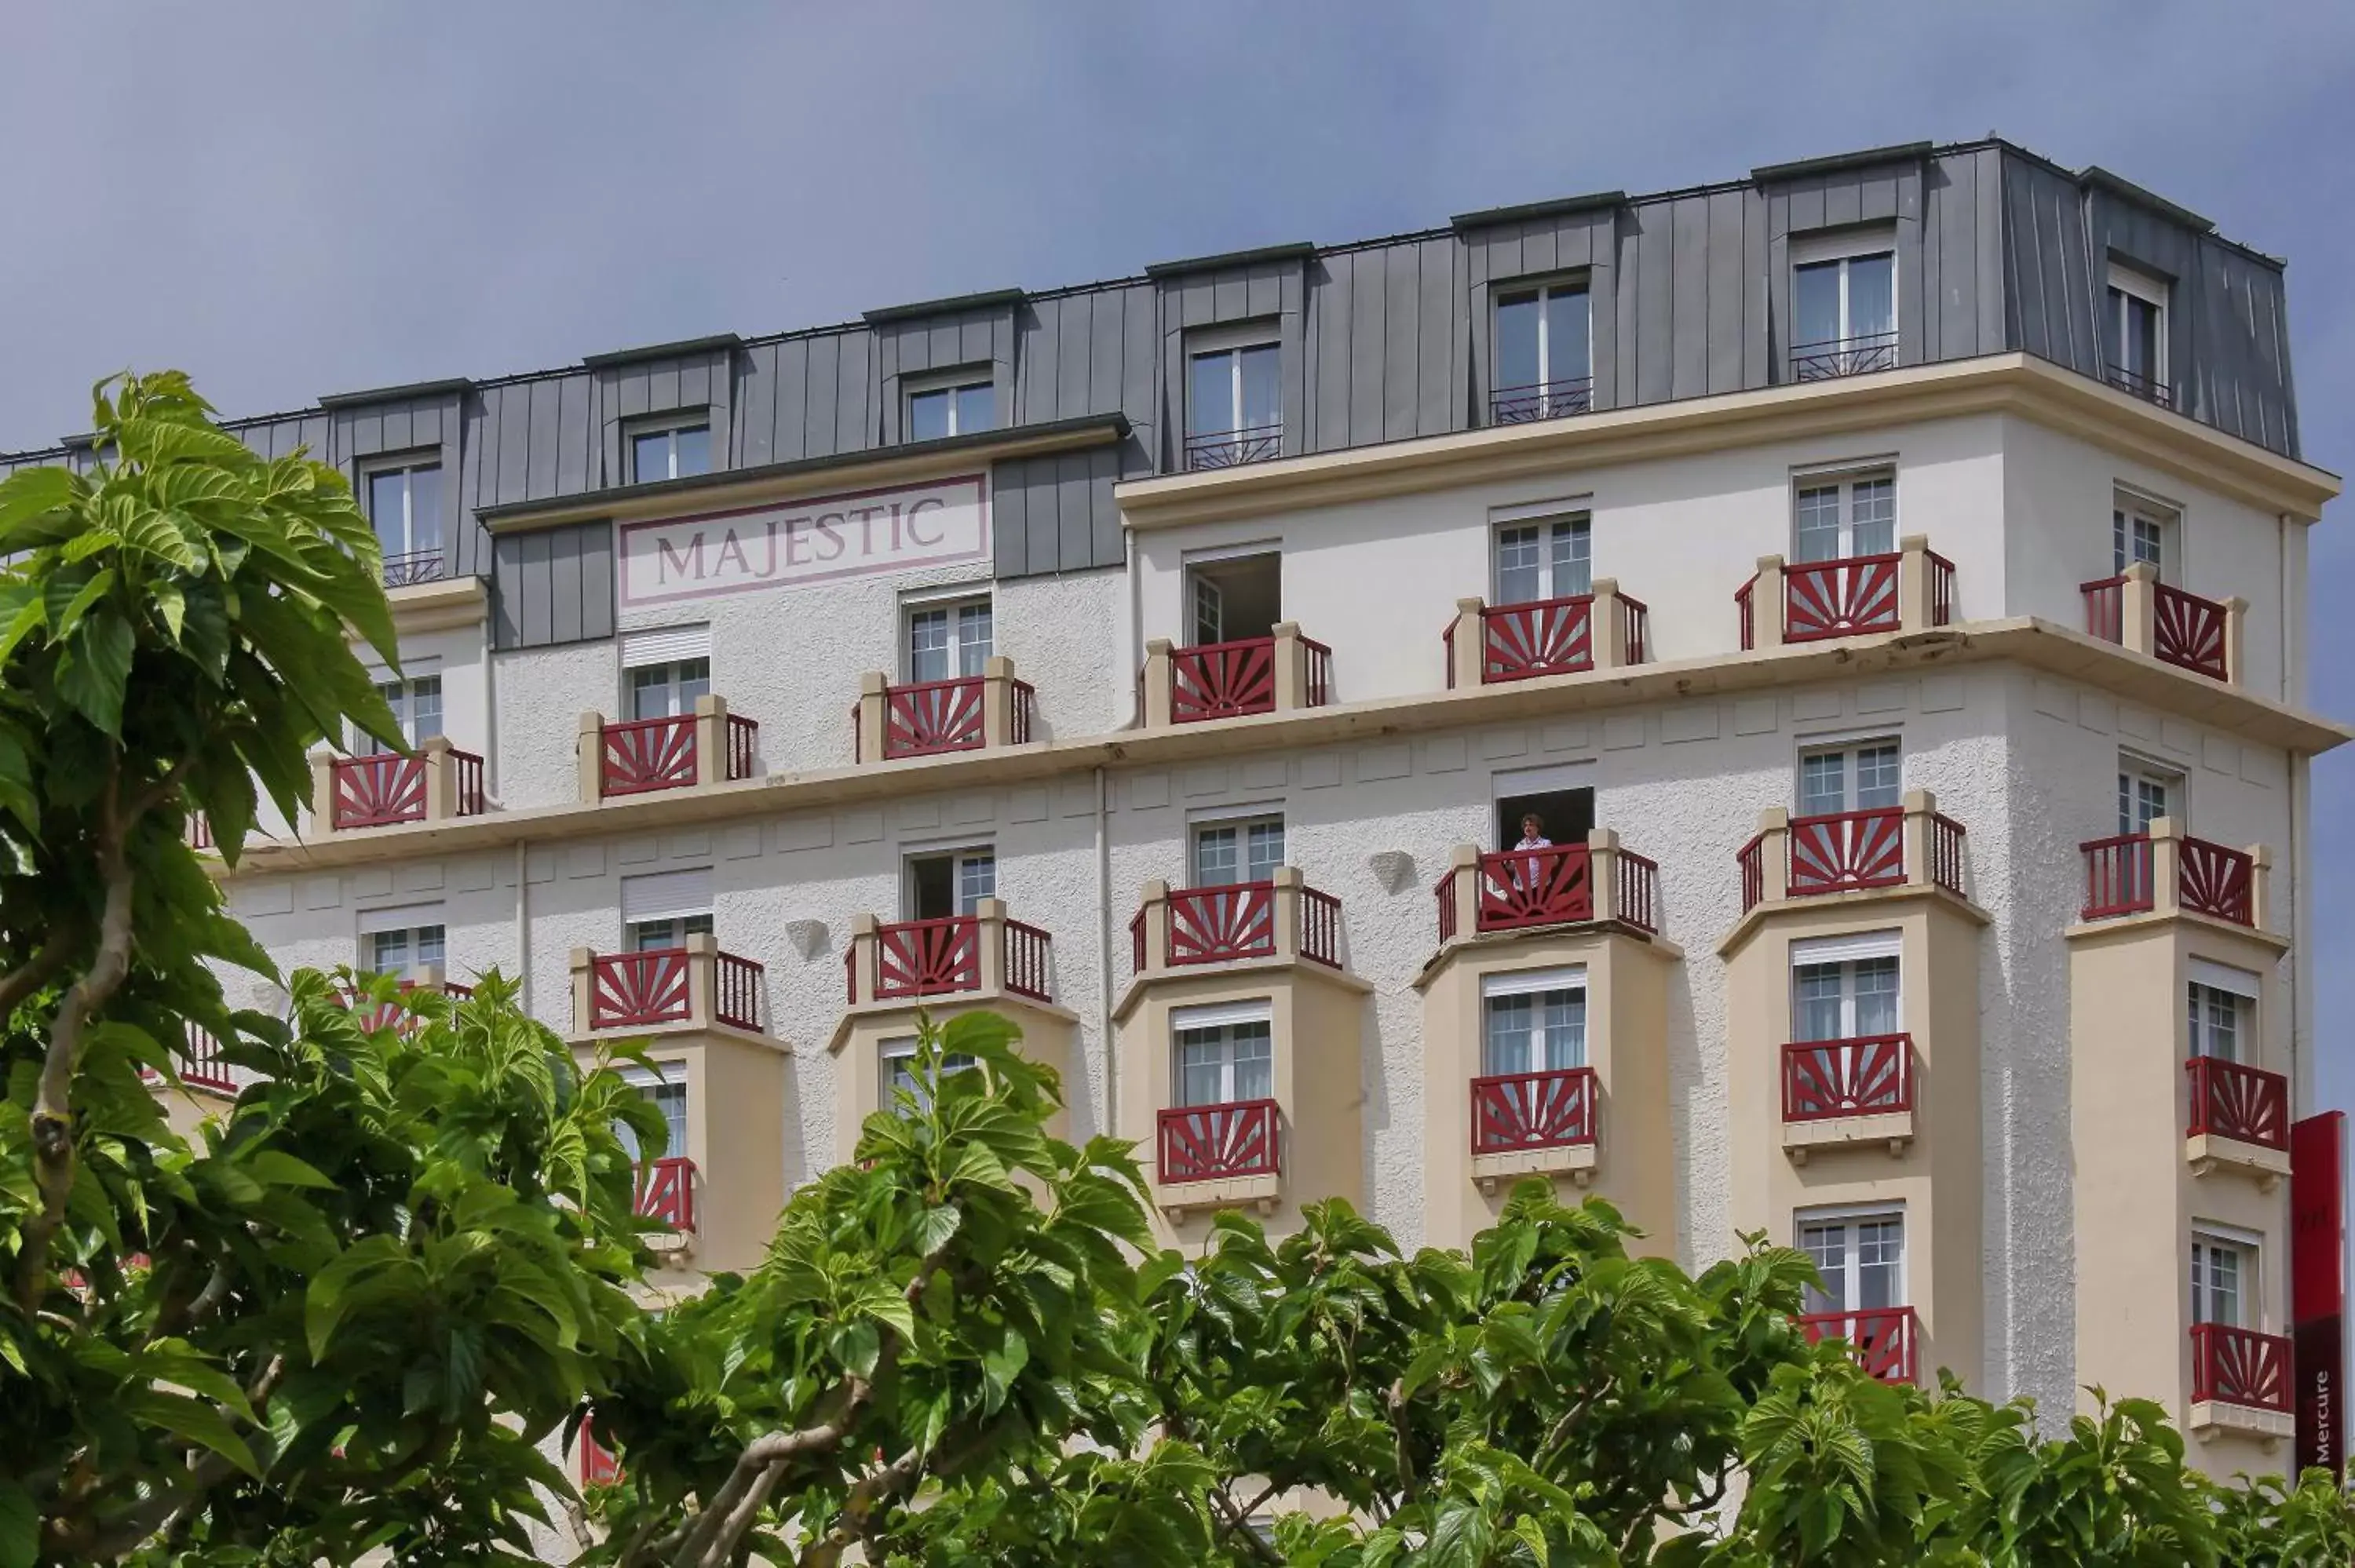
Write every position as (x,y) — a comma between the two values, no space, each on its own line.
(743,745)
(1515,1111)
(2248,1104)
(2188,631)
(1639,628)
(1541,400)
(202,1066)
(633,990)
(644,754)
(1030,961)
(1204,1143)
(1745,604)
(1884,1339)
(928,957)
(1222,680)
(387,788)
(1839,599)
(736,985)
(2105,608)
(932,716)
(1320,928)
(1638,894)
(667,1192)
(1535,888)
(1847,850)
(2210,878)
(390,1014)
(1549,637)
(200,830)
(1869,1076)
(599,1468)
(2240,1366)
(1215,924)
(1751,858)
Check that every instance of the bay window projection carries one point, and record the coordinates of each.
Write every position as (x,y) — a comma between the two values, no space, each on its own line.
(1533,1022)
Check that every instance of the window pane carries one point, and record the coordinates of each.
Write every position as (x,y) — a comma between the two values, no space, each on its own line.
(690,450)
(1879,1264)
(976,409)
(1566,347)
(1823,783)
(1254,1076)
(1873,516)
(424,720)
(1572,570)
(1210,401)
(1826,1247)
(1564,1012)
(425,508)
(429,944)
(928,415)
(1519,580)
(1876,997)
(1265,851)
(387,952)
(389,510)
(976,880)
(1816,1011)
(1262,407)
(650,457)
(1215,863)
(975,638)
(694,681)
(1508,1045)
(1871,295)
(928,645)
(1815,296)
(1818,518)
(1517,339)
(1877,777)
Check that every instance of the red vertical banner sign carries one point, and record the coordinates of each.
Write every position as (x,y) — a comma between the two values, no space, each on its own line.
(2318,1287)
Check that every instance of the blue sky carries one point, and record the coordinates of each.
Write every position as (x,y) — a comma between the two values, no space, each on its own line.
(289,200)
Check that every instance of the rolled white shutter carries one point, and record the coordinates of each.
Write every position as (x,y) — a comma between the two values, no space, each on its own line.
(1530,983)
(1223,1014)
(399,917)
(2222,977)
(665,645)
(667,895)
(1846,949)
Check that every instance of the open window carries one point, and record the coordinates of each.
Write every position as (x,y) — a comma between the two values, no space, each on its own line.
(1564,813)
(1231,598)
(2142,533)
(662,910)
(402,941)
(949,882)
(1860,1255)
(664,671)
(2137,324)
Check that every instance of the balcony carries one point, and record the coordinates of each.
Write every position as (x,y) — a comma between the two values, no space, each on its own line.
(1277,673)
(1912,589)
(927,719)
(415,567)
(1232,449)
(201,1065)
(1279,919)
(2160,871)
(1843,1092)
(638,756)
(983,954)
(694,987)
(1541,400)
(1885,1339)
(2239,1121)
(2240,1382)
(390,1014)
(1487,644)
(432,784)
(1236,1143)
(2142,615)
(1527,1124)
(1513,890)
(1837,356)
(1852,851)
(2142,385)
(667,1192)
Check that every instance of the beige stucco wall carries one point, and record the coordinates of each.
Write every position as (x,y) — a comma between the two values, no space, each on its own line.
(1049,1034)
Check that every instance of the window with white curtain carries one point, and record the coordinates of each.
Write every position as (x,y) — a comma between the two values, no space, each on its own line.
(1860,1255)
(667,1091)
(2222,1002)
(1226,1053)
(1533,1020)
(1837,518)
(948,641)
(1845,988)
(2223,1278)
(1544,558)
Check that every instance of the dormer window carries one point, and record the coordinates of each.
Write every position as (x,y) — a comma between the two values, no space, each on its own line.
(404,502)
(1843,306)
(1234,413)
(679,448)
(964,403)
(2137,324)
(1545,365)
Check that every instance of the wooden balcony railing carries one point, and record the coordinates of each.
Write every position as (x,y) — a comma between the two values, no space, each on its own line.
(1911,590)
(435,782)
(2240,1366)
(927,718)
(1487,644)
(1868,1077)
(667,1192)
(1512,1112)
(1884,1339)
(2162,870)
(1848,851)
(1274,673)
(202,1066)
(1208,1143)
(391,1014)
(981,953)
(2247,1105)
(2144,615)
(639,757)
(1226,923)
(697,984)
(1509,889)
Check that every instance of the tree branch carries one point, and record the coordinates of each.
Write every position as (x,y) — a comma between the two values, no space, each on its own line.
(35,972)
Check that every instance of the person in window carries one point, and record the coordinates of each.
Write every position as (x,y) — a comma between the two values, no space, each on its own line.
(1533,833)
(1530,873)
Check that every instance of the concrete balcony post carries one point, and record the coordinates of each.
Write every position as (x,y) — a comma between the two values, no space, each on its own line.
(584,989)
(1920,807)
(1464,887)
(1155,715)
(1773,848)
(1468,644)
(2261,893)
(2236,622)
(702,976)
(440,779)
(868,723)
(1913,596)
(989,919)
(711,739)
(2166,865)
(1602,871)
(1291,667)
(996,702)
(1288,882)
(323,790)
(1766,604)
(1606,629)
(589,756)
(2138,608)
(1156,903)
(429,977)
(862,958)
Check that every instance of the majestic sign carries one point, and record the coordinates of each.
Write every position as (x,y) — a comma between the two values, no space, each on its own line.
(784,543)
(2317,1288)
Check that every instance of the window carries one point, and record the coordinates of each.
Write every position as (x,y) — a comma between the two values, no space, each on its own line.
(403,950)
(1544,361)
(949,641)
(1534,1022)
(1234,597)
(900,1073)
(1837,519)
(1225,1054)
(966,407)
(940,886)
(1228,852)
(1844,309)
(1859,777)
(2223,1274)
(672,931)
(1233,413)
(1543,560)
(2137,536)
(2222,1003)
(405,504)
(2144,794)
(1845,988)
(416,703)
(669,1096)
(2137,321)
(668,690)
(663,909)
(1861,1258)
(671,452)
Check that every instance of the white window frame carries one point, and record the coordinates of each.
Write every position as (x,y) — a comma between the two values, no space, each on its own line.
(1500,295)
(2136,772)
(667,424)
(1231,340)
(409,922)
(2210,989)
(1220,1021)
(1242,825)
(1845,480)
(1844,247)
(2249,1295)
(1535,985)
(1576,524)
(951,380)
(894,1061)
(2129,508)
(1851,750)
(372,468)
(2133,283)
(1847,1298)
(401,696)
(652,1084)
(1845,956)
(956,607)
(966,859)
(679,900)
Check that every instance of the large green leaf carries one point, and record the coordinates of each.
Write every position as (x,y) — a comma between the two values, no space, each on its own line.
(95,669)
